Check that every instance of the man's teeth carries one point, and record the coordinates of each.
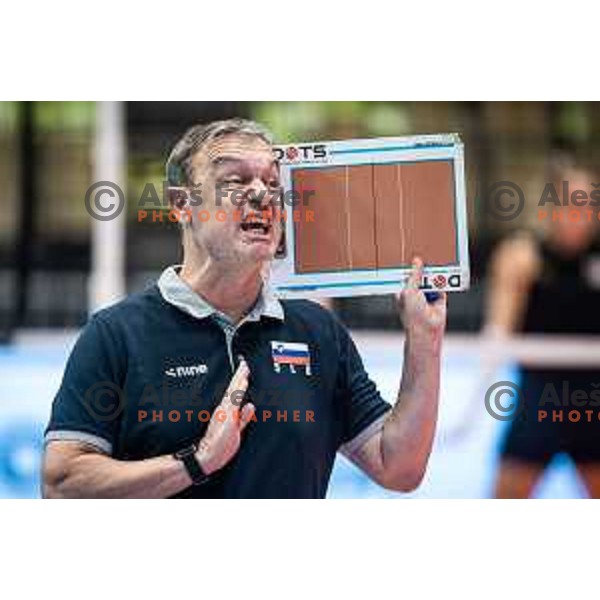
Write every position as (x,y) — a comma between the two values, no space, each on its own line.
(256,226)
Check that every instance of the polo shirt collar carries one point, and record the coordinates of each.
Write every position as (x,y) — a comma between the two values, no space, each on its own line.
(178,293)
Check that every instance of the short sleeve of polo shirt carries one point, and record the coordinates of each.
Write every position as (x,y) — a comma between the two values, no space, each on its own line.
(89,401)
(363,408)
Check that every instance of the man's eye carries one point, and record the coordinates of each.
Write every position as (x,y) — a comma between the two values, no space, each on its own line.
(274,184)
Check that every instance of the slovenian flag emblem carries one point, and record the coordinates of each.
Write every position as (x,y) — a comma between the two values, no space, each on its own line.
(291,354)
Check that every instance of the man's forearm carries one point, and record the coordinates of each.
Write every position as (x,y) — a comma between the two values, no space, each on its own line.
(408,432)
(74,470)
(92,475)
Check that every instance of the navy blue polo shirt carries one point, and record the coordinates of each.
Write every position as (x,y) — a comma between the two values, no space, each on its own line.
(146,376)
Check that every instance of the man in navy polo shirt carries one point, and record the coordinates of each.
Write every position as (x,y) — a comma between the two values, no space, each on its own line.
(206,386)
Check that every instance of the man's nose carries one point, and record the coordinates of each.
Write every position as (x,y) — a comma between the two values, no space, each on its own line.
(257,194)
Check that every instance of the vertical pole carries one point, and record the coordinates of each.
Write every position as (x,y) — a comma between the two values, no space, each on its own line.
(27,211)
(107,278)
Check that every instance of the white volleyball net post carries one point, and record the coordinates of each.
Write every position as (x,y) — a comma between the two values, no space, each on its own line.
(107,278)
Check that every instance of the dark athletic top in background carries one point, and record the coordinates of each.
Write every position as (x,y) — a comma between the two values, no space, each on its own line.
(566,297)
(564,301)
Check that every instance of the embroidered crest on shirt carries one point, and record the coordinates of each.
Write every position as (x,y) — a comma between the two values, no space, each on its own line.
(290,355)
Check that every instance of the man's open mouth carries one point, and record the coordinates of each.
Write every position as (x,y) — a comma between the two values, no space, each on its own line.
(256,225)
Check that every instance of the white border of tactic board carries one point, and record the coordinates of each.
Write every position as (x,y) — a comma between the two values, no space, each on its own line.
(287,283)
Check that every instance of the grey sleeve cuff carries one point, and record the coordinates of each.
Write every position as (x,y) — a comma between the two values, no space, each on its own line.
(349,449)
(79,436)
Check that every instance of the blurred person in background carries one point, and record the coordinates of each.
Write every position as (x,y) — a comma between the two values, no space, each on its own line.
(549,283)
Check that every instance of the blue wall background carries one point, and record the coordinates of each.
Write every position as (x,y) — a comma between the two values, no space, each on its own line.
(460,467)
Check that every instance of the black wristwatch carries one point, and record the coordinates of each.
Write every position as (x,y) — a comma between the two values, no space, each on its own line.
(188,457)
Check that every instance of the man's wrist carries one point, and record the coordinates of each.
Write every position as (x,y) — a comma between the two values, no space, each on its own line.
(205,458)
(193,468)
(425,338)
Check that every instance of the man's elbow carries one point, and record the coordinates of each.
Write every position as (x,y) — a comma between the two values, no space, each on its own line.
(54,476)
(405,480)
(51,488)
(51,492)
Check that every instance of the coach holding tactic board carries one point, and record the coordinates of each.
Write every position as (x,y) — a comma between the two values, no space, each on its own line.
(220,390)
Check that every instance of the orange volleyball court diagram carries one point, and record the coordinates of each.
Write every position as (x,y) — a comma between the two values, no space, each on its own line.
(364,208)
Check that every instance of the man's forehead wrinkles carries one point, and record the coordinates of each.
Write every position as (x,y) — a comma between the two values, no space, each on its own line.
(250,160)
(232,150)
(224,159)
(238,152)
(236,146)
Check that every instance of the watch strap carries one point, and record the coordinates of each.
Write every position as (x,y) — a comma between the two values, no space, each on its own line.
(191,464)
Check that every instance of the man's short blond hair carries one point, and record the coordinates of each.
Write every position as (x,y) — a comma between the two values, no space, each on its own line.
(179,164)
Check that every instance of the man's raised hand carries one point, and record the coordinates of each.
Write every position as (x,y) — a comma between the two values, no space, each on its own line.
(224,434)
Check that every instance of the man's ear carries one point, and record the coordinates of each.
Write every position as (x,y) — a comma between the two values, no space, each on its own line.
(178,198)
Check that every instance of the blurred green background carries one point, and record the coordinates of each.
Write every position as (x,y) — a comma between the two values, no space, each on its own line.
(47,158)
